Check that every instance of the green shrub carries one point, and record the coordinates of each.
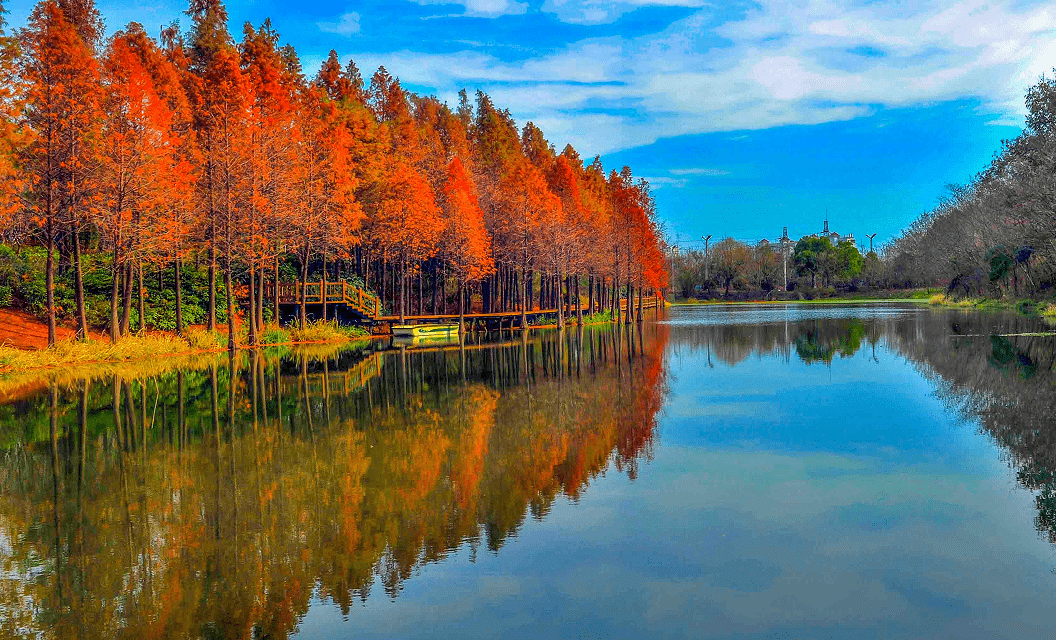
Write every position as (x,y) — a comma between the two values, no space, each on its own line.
(202,339)
(275,335)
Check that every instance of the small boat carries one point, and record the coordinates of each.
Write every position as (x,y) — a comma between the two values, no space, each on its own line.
(424,330)
(425,341)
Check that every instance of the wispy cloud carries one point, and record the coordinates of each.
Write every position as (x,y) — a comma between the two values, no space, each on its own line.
(777,64)
(659,182)
(700,171)
(483,8)
(346,25)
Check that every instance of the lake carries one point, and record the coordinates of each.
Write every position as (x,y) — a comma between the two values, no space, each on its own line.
(800,471)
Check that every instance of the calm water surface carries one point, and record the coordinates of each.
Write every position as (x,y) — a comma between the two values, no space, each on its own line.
(720,472)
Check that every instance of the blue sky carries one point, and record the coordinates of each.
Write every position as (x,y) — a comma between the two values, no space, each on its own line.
(746,117)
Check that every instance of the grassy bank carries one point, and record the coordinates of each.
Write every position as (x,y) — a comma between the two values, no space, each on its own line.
(71,353)
(821,301)
(813,296)
(1026,307)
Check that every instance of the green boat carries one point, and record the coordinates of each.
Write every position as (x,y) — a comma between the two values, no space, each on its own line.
(424,330)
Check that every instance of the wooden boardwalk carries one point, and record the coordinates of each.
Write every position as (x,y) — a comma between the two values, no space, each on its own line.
(324,384)
(368,306)
(647,303)
(354,298)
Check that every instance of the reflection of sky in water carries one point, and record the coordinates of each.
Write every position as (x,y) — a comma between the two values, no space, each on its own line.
(785,500)
(736,314)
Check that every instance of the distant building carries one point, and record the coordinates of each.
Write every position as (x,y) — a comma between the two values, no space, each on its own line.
(834,237)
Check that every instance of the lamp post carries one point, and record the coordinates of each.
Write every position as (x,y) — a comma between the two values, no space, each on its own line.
(871,241)
(706,240)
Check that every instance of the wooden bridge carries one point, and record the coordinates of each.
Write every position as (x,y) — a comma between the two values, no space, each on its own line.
(354,298)
(570,312)
(368,306)
(341,383)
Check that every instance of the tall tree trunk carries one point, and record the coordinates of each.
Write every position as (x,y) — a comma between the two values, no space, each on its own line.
(260,298)
(252,315)
(630,302)
(382,291)
(579,306)
(421,300)
(78,292)
(141,306)
(232,340)
(304,290)
(115,288)
(212,287)
(278,317)
(126,298)
(524,300)
(560,299)
(461,307)
(179,296)
(436,287)
(402,302)
(49,279)
(322,291)
(590,294)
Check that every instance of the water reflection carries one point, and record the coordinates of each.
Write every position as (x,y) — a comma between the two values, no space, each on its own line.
(217,501)
(229,497)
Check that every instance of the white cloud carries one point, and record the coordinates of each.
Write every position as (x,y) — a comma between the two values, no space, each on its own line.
(600,12)
(346,25)
(700,171)
(659,182)
(779,64)
(572,11)
(484,8)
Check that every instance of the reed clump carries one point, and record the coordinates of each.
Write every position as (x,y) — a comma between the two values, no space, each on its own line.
(73,352)
(329,331)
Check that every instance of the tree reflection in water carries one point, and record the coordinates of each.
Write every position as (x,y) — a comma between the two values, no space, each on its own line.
(219,499)
(995,369)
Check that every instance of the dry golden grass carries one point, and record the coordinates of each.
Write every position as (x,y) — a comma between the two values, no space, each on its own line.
(325,332)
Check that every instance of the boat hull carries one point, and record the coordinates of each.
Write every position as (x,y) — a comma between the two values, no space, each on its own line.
(424,330)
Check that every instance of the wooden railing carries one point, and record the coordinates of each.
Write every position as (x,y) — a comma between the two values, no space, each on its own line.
(354,297)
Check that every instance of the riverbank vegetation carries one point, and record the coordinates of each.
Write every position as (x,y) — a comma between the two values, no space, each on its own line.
(813,267)
(994,237)
(158,183)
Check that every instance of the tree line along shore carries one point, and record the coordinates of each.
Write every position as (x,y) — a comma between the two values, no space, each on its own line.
(160,183)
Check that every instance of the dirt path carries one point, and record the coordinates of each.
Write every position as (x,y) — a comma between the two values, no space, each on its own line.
(23,331)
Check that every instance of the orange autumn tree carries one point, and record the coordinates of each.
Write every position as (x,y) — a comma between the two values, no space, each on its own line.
(527,201)
(564,232)
(271,122)
(227,154)
(145,181)
(465,245)
(325,216)
(405,223)
(61,78)
(13,137)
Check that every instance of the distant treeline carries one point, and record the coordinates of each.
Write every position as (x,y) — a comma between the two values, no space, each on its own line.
(997,234)
(811,263)
(125,160)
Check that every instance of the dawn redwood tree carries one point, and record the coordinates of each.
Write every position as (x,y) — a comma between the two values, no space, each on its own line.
(564,230)
(324,216)
(465,244)
(271,134)
(145,178)
(61,76)
(405,223)
(527,202)
(208,39)
(13,136)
